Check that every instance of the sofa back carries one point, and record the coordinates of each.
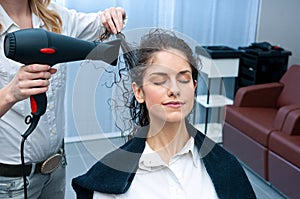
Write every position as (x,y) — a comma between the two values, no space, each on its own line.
(291,90)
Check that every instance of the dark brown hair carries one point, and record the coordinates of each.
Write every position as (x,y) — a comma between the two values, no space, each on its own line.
(137,59)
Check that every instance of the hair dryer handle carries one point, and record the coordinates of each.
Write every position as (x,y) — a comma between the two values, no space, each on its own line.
(38,104)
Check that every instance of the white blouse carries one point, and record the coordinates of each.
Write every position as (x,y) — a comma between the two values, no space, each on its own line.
(185,177)
(48,136)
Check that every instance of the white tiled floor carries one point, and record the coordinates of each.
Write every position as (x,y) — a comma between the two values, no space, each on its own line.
(81,155)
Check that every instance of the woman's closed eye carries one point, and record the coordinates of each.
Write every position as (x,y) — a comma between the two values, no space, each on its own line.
(184,78)
(180,80)
(159,82)
(159,79)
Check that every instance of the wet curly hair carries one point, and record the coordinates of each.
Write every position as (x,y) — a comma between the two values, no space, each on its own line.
(136,60)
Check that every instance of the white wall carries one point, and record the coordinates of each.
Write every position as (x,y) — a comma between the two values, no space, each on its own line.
(279,24)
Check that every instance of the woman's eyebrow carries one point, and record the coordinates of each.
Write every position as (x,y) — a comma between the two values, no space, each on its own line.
(159,73)
(184,72)
(166,74)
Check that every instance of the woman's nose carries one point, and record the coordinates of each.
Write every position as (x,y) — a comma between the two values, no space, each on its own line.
(173,89)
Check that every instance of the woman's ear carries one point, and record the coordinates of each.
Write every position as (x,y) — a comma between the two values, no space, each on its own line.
(195,84)
(138,93)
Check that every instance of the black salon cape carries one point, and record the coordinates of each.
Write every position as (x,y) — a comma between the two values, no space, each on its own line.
(114,173)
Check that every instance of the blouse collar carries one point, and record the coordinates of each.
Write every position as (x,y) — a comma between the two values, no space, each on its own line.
(8,25)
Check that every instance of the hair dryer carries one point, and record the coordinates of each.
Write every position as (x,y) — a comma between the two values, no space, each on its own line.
(38,46)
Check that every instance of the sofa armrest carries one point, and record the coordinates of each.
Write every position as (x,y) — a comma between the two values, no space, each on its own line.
(260,95)
(282,115)
(292,123)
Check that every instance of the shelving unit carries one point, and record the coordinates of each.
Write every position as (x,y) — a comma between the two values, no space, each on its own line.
(218,62)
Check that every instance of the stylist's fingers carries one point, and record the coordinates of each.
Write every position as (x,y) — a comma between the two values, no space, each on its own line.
(37,71)
(112,19)
(30,80)
(118,17)
(35,78)
(106,21)
(35,68)
(52,71)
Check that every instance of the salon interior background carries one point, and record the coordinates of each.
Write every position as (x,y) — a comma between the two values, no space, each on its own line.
(209,22)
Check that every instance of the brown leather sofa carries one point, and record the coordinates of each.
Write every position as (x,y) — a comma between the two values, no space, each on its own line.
(262,129)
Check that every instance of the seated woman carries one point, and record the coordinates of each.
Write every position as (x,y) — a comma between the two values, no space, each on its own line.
(166,157)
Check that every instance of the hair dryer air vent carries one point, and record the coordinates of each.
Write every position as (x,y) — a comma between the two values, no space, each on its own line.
(10,46)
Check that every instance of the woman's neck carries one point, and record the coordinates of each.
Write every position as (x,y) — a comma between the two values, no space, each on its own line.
(19,11)
(168,140)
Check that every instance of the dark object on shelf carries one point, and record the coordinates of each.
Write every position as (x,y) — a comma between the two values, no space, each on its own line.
(217,52)
(261,63)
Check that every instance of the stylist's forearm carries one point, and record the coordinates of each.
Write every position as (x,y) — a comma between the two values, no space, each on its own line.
(6,101)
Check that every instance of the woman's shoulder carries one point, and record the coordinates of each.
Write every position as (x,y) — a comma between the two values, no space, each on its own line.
(113,173)
(221,166)
(211,150)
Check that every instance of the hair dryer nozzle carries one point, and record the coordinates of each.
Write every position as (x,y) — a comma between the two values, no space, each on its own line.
(106,51)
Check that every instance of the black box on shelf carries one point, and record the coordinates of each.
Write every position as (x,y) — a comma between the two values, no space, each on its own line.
(261,63)
(218,52)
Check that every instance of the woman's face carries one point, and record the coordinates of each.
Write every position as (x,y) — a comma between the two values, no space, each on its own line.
(168,87)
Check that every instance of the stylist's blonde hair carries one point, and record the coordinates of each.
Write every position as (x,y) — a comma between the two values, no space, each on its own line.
(51,18)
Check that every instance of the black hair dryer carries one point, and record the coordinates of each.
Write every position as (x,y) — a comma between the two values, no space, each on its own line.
(38,46)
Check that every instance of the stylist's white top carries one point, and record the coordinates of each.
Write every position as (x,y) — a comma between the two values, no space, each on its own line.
(48,136)
(185,177)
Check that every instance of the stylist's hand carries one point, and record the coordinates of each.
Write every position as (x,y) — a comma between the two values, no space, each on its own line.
(113,18)
(30,80)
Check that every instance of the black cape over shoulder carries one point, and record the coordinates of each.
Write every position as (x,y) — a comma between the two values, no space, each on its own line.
(114,173)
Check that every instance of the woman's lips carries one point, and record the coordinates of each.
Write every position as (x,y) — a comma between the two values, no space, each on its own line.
(174,104)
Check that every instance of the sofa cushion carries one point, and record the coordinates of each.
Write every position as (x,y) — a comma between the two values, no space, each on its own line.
(286,146)
(257,123)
